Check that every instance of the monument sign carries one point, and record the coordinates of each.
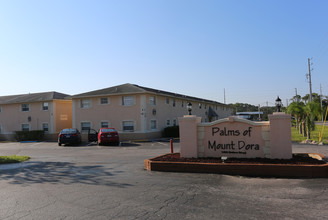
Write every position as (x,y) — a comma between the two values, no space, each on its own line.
(236,137)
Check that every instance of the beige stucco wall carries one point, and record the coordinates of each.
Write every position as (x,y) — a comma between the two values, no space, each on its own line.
(141,113)
(12,118)
(114,113)
(166,111)
(62,114)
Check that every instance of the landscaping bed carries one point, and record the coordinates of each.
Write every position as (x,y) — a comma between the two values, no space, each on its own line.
(297,159)
(300,166)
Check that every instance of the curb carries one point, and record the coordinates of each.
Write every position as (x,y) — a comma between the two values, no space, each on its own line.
(241,169)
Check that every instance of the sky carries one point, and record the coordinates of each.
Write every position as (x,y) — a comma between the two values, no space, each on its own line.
(246,51)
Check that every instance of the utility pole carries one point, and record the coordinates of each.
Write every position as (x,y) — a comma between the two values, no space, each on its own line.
(224,96)
(296,95)
(309,77)
(321,100)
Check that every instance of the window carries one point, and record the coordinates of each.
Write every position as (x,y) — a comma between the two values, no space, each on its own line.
(128,126)
(104,101)
(85,103)
(0,129)
(45,106)
(153,124)
(25,107)
(45,127)
(168,122)
(199,105)
(205,106)
(128,100)
(167,101)
(104,124)
(25,127)
(182,103)
(173,103)
(0,108)
(152,100)
(85,126)
(174,122)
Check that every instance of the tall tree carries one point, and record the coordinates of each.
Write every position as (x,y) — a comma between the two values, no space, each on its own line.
(296,109)
(312,111)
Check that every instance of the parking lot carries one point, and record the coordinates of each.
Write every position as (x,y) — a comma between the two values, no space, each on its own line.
(93,182)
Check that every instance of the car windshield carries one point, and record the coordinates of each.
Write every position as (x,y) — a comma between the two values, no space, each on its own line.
(108,130)
(69,131)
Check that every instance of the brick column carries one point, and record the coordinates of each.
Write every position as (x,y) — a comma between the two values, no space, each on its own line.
(280,136)
(188,135)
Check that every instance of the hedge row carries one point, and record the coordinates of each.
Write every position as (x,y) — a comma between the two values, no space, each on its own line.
(172,131)
(36,135)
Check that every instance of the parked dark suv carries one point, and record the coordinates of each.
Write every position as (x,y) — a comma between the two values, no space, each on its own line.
(69,136)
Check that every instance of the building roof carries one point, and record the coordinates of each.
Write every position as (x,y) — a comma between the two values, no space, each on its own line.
(32,97)
(132,88)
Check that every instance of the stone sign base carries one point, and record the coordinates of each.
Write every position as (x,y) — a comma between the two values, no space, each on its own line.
(244,169)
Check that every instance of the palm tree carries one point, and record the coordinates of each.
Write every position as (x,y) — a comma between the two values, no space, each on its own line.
(296,109)
(312,110)
(296,98)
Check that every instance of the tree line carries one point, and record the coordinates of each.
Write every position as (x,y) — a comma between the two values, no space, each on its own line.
(306,112)
(303,111)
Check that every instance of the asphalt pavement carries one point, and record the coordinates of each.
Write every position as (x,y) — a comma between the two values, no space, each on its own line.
(92,182)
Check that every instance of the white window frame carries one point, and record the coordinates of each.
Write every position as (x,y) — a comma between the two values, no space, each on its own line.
(152,100)
(167,101)
(85,103)
(24,129)
(173,103)
(174,122)
(128,130)
(101,124)
(152,127)
(128,100)
(104,98)
(25,107)
(43,127)
(45,106)
(81,125)
(168,122)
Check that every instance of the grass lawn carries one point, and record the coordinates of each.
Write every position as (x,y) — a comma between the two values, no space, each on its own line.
(314,134)
(13,159)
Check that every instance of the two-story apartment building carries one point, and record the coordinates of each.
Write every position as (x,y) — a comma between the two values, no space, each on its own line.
(138,112)
(48,111)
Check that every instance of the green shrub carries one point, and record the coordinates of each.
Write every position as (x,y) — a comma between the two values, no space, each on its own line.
(36,135)
(172,131)
(13,159)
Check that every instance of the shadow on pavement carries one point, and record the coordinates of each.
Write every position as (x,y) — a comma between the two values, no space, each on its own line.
(59,173)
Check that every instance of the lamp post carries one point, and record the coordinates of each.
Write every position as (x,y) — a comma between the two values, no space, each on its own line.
(189,107)
(278,104)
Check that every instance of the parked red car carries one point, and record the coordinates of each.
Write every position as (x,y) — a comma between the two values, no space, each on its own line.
(104,136)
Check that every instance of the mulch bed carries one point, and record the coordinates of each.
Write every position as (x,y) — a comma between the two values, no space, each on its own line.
(298,159)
